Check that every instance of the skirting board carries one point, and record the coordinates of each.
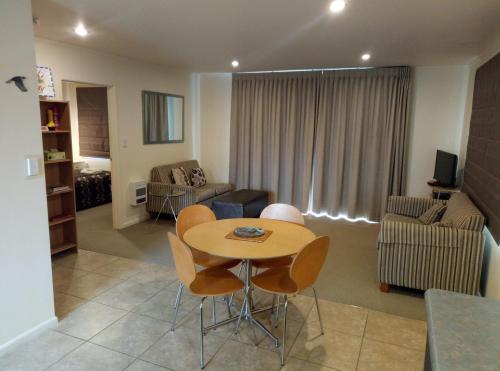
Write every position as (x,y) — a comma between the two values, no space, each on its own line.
(26,335)
(134,220)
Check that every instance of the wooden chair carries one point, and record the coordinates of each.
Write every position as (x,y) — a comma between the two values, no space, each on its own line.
(213,281)
(188,218)
(301,274)
(284,212)
(192,216)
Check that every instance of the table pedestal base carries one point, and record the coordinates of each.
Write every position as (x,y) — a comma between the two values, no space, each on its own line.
(246,312)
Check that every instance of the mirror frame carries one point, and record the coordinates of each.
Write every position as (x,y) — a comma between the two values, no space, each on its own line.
(143,93)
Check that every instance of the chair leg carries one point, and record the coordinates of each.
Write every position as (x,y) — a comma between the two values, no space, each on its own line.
(276,318)
(273,305)
(214,318)
(241,315)
(317,309)
(228,308)
(202,330)
(177,305)
(283,345)
(239,275)
(178,296)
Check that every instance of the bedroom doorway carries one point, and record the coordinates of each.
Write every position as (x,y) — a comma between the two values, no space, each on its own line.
(91,120)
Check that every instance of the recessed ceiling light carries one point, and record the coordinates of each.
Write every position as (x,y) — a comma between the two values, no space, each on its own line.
(336,6)
(366,57)
(235,63)
(80,30)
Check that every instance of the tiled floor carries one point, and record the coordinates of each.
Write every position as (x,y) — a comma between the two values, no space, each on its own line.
(115,314)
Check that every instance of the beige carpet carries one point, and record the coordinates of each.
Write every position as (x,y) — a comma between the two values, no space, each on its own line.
(349,275)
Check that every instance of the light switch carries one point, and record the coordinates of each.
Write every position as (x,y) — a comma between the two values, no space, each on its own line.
(32,165)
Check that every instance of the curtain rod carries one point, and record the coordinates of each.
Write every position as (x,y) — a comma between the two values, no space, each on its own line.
(313,70)
(307,70)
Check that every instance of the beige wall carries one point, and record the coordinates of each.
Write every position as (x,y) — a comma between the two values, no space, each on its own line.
(27,302)
(214,120)
(437,119)
(127,78)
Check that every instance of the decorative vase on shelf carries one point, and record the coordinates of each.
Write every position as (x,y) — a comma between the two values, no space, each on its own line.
(50,118)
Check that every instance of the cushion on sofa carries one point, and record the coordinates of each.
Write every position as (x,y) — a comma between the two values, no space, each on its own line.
(180,177)
(198,177)
(401,218)
(204,193)
(433,214)
(163,173)
(462,213)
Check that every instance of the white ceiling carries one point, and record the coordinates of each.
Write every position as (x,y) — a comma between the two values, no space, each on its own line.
(206,35)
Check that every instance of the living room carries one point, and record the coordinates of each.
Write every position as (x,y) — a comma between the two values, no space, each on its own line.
(334,108)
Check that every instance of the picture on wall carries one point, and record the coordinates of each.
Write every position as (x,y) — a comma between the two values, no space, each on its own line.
(45,82)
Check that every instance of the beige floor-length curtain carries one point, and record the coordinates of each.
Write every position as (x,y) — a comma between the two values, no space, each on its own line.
(333,140)
(272,134)
(361,141)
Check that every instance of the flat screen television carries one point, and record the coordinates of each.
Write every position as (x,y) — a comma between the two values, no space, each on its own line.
(445,170)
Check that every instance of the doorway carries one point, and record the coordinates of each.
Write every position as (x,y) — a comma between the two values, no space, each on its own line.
(94,171)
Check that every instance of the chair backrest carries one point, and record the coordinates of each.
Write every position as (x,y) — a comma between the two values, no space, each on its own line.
(287,213)
(183,259)
(308,262)
(191,216)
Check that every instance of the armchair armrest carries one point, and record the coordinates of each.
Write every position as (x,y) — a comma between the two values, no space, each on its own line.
(393,232)
(409,206)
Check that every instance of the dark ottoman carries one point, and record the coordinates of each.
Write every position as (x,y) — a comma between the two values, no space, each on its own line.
(244,203)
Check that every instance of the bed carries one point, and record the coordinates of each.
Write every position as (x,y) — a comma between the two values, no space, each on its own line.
(92,187)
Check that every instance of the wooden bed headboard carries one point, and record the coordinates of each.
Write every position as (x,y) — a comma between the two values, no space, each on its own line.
(482,164)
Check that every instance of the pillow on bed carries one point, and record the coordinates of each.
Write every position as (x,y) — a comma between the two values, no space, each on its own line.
(180,177)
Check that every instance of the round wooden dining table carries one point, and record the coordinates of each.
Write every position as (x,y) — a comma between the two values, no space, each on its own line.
(285,239)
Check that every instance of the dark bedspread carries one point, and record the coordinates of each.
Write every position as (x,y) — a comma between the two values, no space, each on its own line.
(92,189)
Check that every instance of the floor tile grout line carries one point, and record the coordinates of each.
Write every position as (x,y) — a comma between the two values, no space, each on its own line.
(84,341)
(315,364)
(227,338)
(362,341)
(147,299)
(295,339)
(397,345)
(98,267)
(85,269)
(298,333)
(161,337)
(106,290)
(67,354)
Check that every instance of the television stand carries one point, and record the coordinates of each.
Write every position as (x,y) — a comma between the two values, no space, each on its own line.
(442,193)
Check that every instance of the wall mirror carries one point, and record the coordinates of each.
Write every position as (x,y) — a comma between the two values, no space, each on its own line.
(162,117)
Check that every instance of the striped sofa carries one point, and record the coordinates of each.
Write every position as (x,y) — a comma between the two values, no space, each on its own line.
(161,183)
(420,256)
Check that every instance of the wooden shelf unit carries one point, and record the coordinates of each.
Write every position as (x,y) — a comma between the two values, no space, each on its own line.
(48,162)
(61,205)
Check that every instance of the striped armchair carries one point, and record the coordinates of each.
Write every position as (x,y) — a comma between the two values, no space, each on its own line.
(161,183)
(420,256)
